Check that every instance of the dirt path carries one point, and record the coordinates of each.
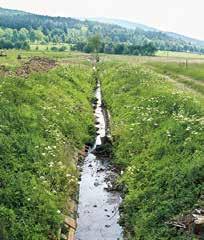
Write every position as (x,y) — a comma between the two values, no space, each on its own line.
(187,84)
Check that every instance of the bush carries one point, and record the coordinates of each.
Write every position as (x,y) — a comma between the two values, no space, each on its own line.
(55,49)
(62,48)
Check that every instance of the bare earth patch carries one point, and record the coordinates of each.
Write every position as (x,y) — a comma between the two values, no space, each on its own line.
(36,64)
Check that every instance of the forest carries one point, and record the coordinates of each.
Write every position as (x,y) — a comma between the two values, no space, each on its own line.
(18,29)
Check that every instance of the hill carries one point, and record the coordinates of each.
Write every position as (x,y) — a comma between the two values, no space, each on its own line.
(18,29)
(134,26)
(124,23)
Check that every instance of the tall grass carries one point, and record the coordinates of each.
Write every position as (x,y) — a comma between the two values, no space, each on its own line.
(158,137)
(193,70)
(44,119)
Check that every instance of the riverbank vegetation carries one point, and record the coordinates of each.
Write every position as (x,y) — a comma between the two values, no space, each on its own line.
(158,134)
(45,119)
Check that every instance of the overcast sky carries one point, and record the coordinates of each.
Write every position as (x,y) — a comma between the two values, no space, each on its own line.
(181,16)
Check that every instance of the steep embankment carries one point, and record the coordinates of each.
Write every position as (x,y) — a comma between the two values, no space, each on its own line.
(158,137)
(44,119)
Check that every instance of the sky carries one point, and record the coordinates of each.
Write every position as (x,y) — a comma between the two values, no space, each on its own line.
(181,16)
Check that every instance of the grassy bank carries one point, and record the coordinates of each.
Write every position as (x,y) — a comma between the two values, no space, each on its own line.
(192,70)
(45,119)
(158,137)
(190,75)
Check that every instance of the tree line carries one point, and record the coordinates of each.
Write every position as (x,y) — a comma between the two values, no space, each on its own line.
(18,29)
(147,49)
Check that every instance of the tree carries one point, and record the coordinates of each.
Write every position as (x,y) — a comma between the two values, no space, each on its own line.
(23,34)
(95,43)
(36,35)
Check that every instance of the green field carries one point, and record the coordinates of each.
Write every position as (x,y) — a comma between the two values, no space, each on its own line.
(190,75)
(47,47)
(179,54)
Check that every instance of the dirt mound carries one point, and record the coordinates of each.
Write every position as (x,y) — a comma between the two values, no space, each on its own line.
(36,64)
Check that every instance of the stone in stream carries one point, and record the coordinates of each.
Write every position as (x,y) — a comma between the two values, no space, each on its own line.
(97,122)
(97,129)
(96,184)
(104,150)
(101,169)
(105,140)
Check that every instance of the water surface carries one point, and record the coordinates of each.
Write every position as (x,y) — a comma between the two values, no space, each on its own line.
(98,209)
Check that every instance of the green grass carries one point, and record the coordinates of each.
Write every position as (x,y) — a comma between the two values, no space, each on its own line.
(158,137)
(179,54)
(45,119)
(46,47)
(193,70)
(11,61)
(191,75)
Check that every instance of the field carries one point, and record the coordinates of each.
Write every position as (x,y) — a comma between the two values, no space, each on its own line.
(190,75)
(47,47)
(179,54)
(186,73)
(157,109)
(12,61)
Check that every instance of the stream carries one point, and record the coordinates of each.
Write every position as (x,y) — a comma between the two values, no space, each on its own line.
(98,212)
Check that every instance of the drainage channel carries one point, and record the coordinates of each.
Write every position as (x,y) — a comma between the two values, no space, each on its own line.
(98,212)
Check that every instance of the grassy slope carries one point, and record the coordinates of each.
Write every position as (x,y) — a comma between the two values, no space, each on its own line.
(192,76)
(44,119)
(158,137)
(195,71)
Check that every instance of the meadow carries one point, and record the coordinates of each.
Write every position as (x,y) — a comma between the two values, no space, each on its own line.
(11,61)
(179,54)
(190,75)
(50,46)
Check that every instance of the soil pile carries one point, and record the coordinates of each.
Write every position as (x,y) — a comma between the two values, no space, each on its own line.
(36,64)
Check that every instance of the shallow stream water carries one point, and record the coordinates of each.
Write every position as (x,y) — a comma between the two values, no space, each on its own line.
(98,213)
